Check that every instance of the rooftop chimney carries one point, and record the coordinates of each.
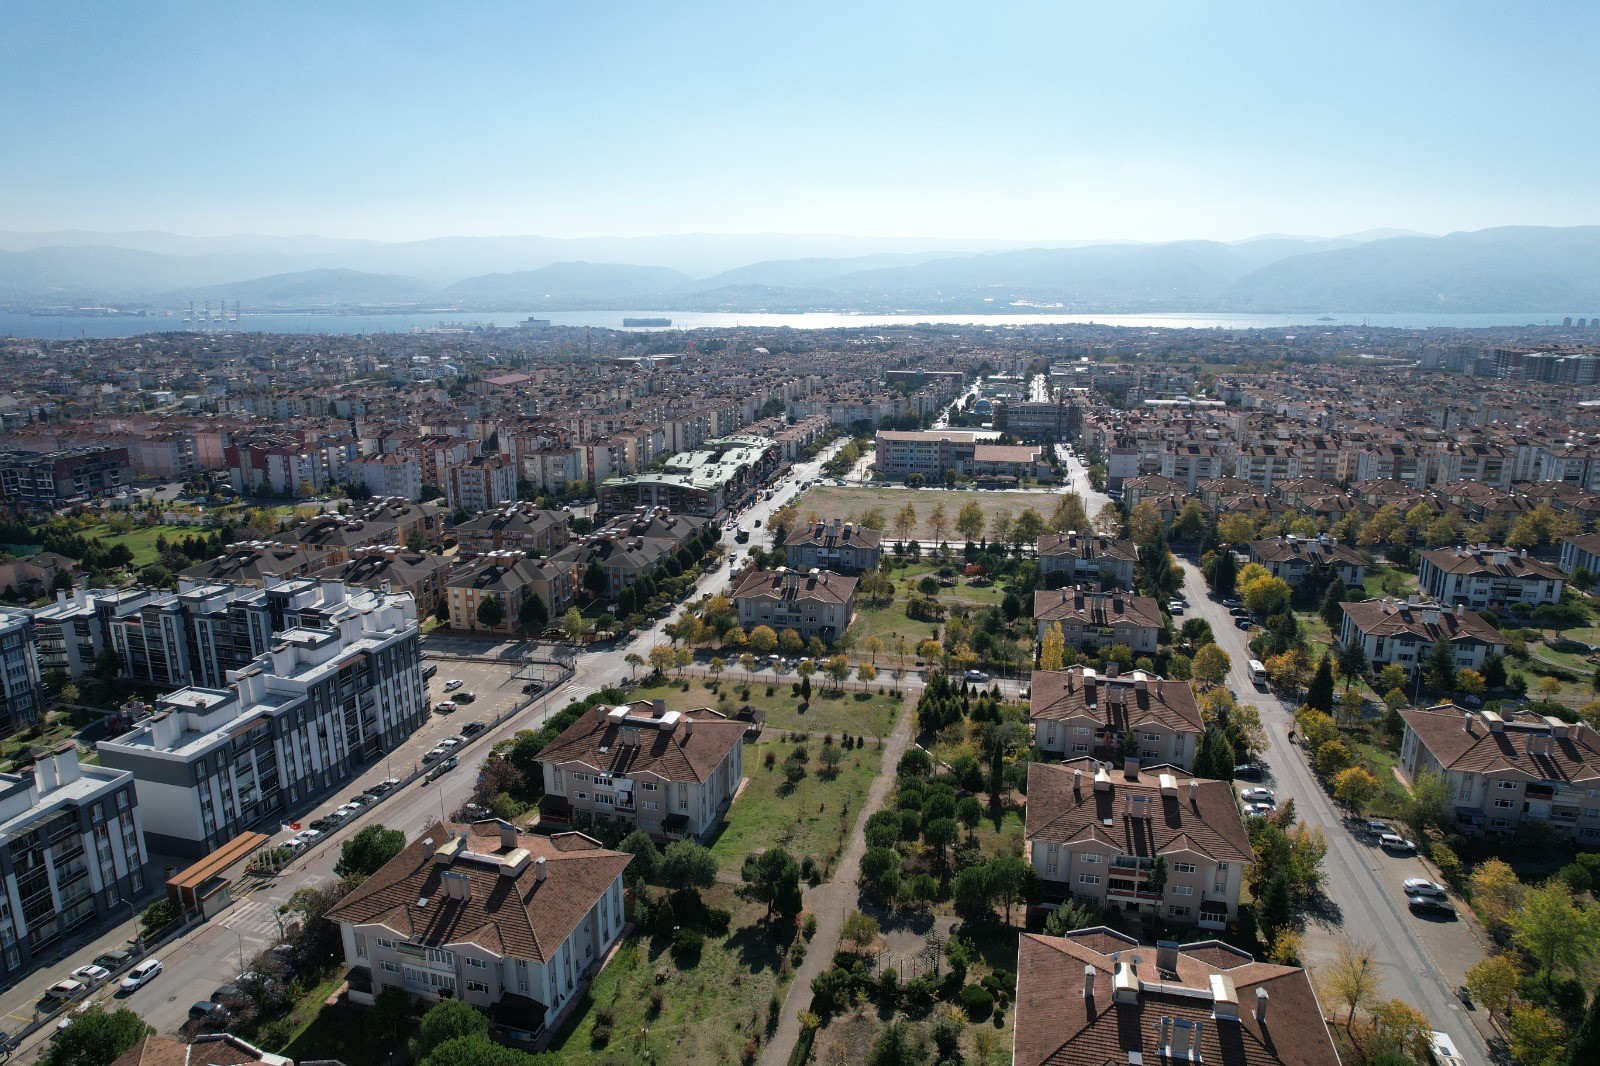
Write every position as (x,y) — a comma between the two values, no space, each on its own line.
(1194,792)
(539,868)
(1125,983)
(508,835)
(1261,1006)
(1130,768)
(1088,981)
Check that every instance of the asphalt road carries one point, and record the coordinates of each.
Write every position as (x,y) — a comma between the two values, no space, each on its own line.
(1361,879)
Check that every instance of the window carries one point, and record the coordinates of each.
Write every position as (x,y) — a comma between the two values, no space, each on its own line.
(1149,753)
(389,967)
(1506,784)
(361,944)
(1591,812)
(649,786)
(1222,868)
(385,943)
(1080,730)
(583,795)
(1505,804)
(1089,879)
(605,799)
(1500,823)
(1152,737)
(580,777)
(1178,912)
(1050,870)
(477,986)
(651,805)
(1182,890)
(1183,867)
(476,964)
(1080,747)
(1091,858)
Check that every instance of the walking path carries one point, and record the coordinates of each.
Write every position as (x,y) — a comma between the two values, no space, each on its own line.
(831,901)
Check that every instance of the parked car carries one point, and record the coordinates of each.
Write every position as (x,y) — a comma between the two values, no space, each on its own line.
(383,788)
(91,974)
(307,836)
(114,960)
(324,824)
(1247,769)
(1378,829)
(466,697)
(433,755)
(977,677)
(532,687)
(73,1015)
(1232,601)
(1419,886)
(1258,794)
(445,707)
(472,729)
(1397,844)
(230,995)
(1174,607)
(443,768)
(64,991)
(453,684)
(1431,905)
(1262,808)
(449,742)
(207,1013)
(349,810)
(141,975)
(1244,623)
(359,801)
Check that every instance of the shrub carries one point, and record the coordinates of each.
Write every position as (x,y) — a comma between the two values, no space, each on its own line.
(687,945)
(600,1035)
(977,1001)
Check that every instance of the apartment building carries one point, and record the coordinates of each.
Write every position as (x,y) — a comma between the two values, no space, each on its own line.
(481,483)
(630,547)
(671,774)
(517,527)
(1504,771)
(1039,420)
(509,922)
(1094,835)
(1096,996)
(1580,552)
(721,474)
(509,577)
(388,474)
(317,707)
(1481,577)
(71,852)
(1079,712)
(929,452)
(48,480)
(813,603)
(1393,631)
(22,696)
(1093,558)
(1291,558)
(840,546)
(68,634)
(420,575)
(1094,619)
(254,563)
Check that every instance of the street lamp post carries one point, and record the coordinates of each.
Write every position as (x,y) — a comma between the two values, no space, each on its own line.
(240,935)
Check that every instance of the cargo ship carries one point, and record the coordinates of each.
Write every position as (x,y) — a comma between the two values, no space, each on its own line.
(647,322)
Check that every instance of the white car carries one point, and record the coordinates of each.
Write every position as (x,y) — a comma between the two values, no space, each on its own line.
(1397,844)
(91,974)
(1261,808)
(1174,607)
(449,742)
(306,836)
(1252,795)
(1419,886)
(347,810)
(453,684)
(141,975)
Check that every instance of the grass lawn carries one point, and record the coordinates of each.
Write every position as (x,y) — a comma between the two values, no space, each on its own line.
(812,817)
(885,622)
(142,541)
(1380,761)
(832,501)
(1384,581)
(828,712)
(709,1008)
(317,1032)
(58,727)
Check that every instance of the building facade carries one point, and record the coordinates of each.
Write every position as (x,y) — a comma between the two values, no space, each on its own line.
(840,546)
(814,603)
(1074,558)
(1403,633)
(1078,712)
(1095,619)
(1482,578)
(22,695)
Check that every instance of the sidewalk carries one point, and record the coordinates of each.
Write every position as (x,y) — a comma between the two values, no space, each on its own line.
(832,901)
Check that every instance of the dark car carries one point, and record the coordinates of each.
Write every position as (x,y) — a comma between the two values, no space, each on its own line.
(1429,905)
(1247,769)
(472,729)
(114,959)
(230,996)
(532,687)
(466,697)
(207,1012)
(1244,623)
(322,825)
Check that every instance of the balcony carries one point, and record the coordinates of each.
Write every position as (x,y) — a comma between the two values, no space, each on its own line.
(1120,889)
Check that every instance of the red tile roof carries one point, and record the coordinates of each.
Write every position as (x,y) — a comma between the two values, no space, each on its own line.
(1130,700)
(682,747)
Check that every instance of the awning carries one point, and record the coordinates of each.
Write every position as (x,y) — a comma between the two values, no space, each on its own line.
(1215,906)
(518,1012)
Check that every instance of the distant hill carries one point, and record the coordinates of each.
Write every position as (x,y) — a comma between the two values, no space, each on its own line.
(565,282)
(1531,269)
(1520,268)
(315,289)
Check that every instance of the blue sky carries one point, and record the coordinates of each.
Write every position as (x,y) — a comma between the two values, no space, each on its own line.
(1062,120)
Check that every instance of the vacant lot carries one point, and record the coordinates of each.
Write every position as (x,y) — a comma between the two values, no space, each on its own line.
(811,816)
(142,541)
(829,712)
(850,504)
(710,1006)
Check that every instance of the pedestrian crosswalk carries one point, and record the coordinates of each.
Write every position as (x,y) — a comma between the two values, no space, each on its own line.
(256,917)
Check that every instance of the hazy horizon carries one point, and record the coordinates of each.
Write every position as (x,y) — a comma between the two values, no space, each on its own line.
(1030,121)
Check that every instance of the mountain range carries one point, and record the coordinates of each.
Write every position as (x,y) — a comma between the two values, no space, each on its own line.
(1510,269)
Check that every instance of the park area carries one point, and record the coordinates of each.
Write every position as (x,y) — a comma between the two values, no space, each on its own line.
(853,504)
(773,696)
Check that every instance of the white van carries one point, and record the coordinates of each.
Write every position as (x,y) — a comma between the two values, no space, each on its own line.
(1258,672)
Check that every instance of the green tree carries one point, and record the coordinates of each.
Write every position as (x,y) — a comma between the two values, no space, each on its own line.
(646,864)
(573,625)
(1210,665)
(1354,787)
(1332,611)
(1553,931)
(594,578)
(859,930)
(480,1050)
(1584,1047)
(687,866)
(533,615)
(1430,797)
(1224,573)
(1439,668)
(1493,982)
(449,1020)
(1352,661)
(897,1044)
(1537,1035)
(97,1037)
(1319,695)
(773,878)
(369,850)
(490,612)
